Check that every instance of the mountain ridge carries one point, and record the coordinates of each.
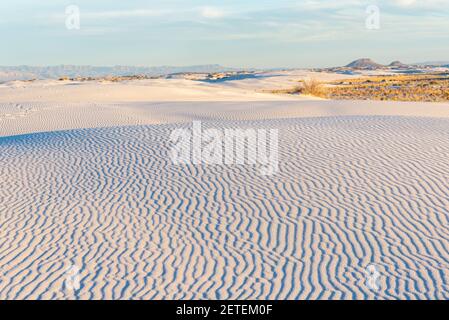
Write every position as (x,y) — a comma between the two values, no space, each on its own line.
(364,63)
(26,72)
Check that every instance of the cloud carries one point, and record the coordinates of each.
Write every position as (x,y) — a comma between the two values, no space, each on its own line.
(103,16)
(317,5)
(421,3)
(124,13)
(405,3)
(212,12)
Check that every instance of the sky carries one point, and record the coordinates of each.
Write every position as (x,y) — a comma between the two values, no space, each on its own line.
(234,33)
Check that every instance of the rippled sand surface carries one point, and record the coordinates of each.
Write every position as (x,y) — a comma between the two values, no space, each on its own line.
(352,193)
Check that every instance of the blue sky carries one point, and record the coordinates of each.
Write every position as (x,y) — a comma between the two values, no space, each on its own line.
(240,33)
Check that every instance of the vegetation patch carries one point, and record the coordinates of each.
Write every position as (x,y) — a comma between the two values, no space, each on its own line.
(417,87)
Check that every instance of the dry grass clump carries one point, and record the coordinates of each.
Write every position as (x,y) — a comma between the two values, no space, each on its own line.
(310,87)
(295,90)
(313,87)
(416,87)
(428,87)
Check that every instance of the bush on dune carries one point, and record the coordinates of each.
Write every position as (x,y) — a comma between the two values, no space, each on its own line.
(313,87)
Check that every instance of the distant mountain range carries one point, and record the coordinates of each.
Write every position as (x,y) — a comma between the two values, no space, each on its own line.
(368,64)
(52,72)
(8,73)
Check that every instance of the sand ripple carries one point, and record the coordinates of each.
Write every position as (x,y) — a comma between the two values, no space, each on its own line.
(351,192)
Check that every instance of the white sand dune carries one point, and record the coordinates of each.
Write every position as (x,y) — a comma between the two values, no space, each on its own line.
(359,185)
(23,118)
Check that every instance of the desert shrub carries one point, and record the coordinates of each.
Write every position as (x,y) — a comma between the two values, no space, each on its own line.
(313,87)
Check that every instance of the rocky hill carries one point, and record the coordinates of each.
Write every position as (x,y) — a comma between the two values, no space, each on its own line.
(365,64)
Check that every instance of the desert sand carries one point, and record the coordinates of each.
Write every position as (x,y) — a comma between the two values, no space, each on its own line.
(87,181)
